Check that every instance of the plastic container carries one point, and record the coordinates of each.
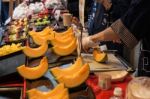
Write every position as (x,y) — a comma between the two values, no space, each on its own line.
(104,81)
(138,88)
(117,93)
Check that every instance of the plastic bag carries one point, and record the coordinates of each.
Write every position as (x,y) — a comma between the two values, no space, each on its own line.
(138,88)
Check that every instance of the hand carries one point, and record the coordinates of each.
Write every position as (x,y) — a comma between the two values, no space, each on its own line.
(88,43)
(75,21)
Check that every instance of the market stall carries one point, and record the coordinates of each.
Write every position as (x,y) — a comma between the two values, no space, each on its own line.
(41,57)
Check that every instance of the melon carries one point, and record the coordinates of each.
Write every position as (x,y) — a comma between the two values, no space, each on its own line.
(65,50)
(57,71)
(75,79)
(59,92)
(34,72)
(60,34)
(44,32)
(62,42)
(35,52)
(99,56)
(39,40)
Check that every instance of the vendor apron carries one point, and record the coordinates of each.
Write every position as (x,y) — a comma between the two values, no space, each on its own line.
(144,63)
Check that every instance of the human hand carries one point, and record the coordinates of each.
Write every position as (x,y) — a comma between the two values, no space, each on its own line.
(88,43)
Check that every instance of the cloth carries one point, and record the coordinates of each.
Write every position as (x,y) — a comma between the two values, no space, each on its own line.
(119,7)
(97,19)
(100,18)
(0,12)
(4,11)
(133,27)
(92,81)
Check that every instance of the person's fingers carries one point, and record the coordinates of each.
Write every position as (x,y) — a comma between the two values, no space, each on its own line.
(86,49)
(84,46)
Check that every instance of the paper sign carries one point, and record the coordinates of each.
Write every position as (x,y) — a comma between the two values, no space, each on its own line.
(81,11)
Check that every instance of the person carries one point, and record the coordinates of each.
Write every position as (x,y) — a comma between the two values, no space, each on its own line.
(4,11)
(103,13)
(130,28)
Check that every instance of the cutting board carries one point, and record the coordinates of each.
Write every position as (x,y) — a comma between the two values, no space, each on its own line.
(112,64)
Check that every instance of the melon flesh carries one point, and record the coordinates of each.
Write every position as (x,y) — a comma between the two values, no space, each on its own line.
(34,72)
(76,78)
(62,42)
(69,31)
(44,32)
(99,56)
(58,71)
(59,92)
(65,50)
(36,52)
(39,40)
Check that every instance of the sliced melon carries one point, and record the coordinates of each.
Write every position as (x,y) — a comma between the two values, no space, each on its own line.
(59,92)
(44,32)
(99,56)
(60,42)
(39,40)
(65,50)
(64,37)
(34,72)
(76,78)
(36,52)
(57,71)
(69,31)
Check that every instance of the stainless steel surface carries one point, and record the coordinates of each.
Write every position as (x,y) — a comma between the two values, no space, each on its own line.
(112,64)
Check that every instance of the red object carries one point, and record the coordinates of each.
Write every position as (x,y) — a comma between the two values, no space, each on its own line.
(24,89)
(106,94)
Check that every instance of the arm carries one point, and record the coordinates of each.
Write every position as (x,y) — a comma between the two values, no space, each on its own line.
(92,41)
(106,35)
(130,28)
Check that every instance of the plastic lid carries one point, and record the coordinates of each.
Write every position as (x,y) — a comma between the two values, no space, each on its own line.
(118,91)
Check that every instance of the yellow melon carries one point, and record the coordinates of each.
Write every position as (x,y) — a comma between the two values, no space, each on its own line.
(69,31)
(64,37)
(76,78)
(99,56)
(57,71)
(44,32)
(34,72)
(39,40)
(36,52)
(60,42)
(59,92)
(65,50)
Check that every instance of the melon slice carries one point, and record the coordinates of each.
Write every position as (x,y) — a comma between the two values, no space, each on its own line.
(44,32)
(76,78)
(39,40)
(59,92)
(99,56)
(36,52)
(69,31)
(34,72)
(64,37)
(57,71)
(65,50)
(62,42)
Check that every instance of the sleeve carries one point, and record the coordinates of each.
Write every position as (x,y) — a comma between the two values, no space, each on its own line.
(134,24)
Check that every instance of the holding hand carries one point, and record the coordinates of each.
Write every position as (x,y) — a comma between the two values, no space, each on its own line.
(88,43)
